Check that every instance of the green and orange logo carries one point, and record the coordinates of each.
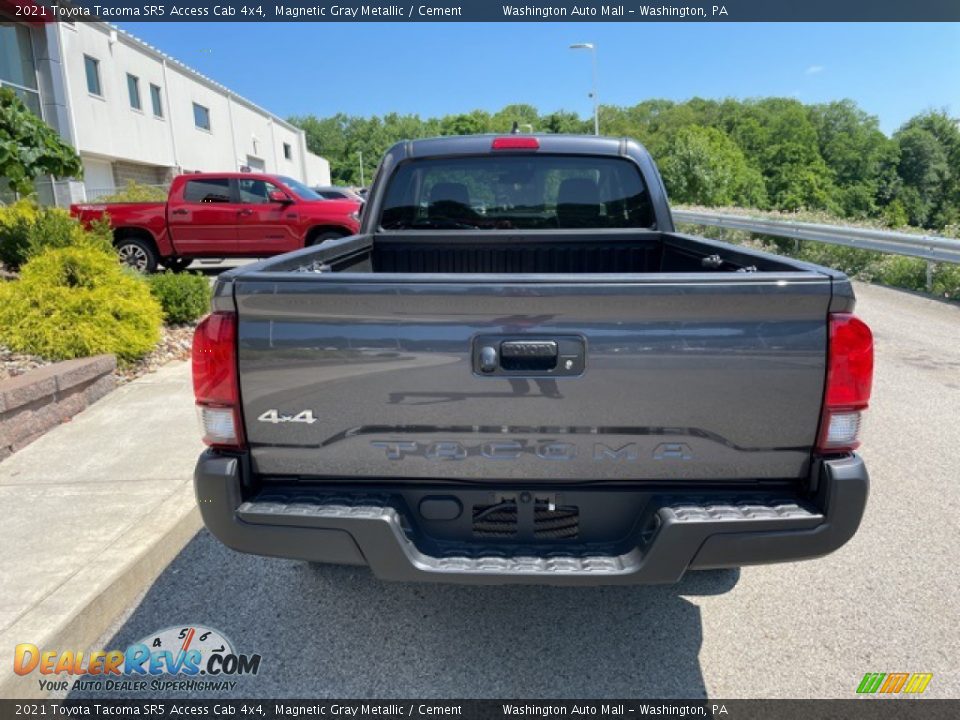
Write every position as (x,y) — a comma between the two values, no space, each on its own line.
(894,683)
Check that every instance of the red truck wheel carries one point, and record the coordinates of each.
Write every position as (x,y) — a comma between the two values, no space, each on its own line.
(137,254)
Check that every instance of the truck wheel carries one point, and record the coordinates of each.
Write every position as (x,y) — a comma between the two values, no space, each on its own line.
(137,254)
(322,237)
(177,264)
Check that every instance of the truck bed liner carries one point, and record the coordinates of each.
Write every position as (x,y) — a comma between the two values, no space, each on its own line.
(530,253)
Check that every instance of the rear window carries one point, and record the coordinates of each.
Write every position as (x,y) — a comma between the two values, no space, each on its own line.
(207,191)
(522,192)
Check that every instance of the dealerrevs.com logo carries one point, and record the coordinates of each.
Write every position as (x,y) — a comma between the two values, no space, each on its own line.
(177,658)
(894,683)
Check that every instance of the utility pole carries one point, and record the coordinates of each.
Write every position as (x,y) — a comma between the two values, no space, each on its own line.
(360,153)
(596,98)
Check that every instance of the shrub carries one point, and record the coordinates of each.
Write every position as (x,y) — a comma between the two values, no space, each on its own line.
(77,301)
(135,192)
(26,230)
(895,214)
(852,261)
(900,271)
(100,234)
(946,281)
(183,297)
(16,220)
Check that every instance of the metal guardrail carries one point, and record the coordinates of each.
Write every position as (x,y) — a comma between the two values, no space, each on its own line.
(929,247)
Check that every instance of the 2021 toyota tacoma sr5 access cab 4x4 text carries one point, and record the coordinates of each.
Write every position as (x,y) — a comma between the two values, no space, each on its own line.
(519,373)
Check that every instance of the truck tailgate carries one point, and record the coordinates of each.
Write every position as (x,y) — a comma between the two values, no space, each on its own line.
(685,378)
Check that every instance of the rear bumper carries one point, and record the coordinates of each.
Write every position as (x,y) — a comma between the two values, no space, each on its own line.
(688,535)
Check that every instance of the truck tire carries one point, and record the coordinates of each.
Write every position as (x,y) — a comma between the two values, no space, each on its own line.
(322,237)
(137,254)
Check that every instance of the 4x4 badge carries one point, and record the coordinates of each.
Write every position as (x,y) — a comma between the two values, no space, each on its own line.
(274,416)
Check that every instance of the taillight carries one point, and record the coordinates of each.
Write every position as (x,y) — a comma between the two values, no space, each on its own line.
(215,382)
(515,142)
(849,379)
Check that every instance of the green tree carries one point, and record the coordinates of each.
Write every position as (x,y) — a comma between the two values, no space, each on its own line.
(705,167)
(30,148)
(929,169)
(925,172)
(473,123)
(502,121)
(795,172)
(861,158)
(563,122)
(327,137)
(767,153)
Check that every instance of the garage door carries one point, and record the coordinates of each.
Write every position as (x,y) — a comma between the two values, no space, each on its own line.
(97,178)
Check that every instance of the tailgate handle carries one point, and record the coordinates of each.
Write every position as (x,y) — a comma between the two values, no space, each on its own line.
(494,355)
(528,349)
(530,355)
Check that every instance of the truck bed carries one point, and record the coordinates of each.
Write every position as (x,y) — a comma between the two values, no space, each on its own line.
(531,253)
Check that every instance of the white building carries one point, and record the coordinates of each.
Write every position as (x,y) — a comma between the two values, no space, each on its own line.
(134,113)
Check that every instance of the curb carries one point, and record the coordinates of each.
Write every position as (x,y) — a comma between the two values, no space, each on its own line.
(90,601)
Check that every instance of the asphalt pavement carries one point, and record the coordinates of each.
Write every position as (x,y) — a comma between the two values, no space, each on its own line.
(886,602)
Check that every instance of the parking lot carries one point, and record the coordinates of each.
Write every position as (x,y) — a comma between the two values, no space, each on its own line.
(886,602)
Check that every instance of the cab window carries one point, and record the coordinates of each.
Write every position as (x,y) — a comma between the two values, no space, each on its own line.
(210,190)
(256,191)
(501,192)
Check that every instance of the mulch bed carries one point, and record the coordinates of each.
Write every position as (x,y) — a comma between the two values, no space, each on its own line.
(13,364)
(175,344)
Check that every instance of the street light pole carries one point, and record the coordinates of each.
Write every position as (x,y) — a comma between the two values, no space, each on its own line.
(360,153)
(596,98)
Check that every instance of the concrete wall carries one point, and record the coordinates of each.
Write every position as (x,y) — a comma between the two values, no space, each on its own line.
(106,125)
(33,403)
(318,170)
(124,172)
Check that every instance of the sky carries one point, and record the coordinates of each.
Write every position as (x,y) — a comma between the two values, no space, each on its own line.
(893,71)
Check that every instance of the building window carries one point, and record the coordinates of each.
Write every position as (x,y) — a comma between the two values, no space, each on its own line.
(92,66)
(17,69)
(133,87)
(287,151)
(29,98)
(16,56)
(157,100)
(201,116)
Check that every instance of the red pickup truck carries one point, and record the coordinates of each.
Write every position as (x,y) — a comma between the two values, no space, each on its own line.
(222,215)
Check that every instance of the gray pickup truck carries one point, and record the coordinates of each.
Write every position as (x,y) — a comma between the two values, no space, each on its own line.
(520,373)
